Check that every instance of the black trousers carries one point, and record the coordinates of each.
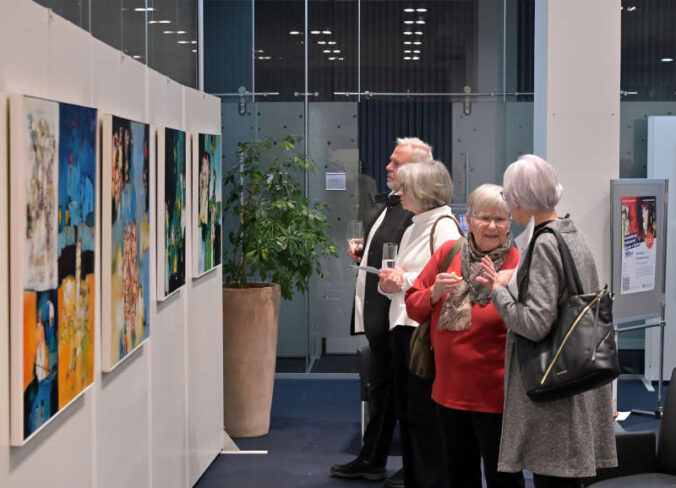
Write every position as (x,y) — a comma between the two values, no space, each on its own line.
(416,411)
(382,416)
(467,437)
(543,481)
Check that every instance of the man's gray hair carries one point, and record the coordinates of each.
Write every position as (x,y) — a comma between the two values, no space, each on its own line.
(486,198)
(532,184)
(428,183)
(419,151)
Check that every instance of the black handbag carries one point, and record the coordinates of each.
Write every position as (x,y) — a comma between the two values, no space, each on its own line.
(580,352)
(421,362)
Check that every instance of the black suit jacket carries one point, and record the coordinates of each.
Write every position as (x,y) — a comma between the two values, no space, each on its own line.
(377,306)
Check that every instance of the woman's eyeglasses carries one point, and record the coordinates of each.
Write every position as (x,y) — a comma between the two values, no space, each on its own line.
(500,221)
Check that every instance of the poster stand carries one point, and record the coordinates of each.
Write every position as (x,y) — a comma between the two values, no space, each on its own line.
(638,219)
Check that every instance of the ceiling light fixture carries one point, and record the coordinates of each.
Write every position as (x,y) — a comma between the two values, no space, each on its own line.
(153,21)
(408,33)
(195,42)
(341,59)
(315,32)
(143,9)
(168,32)
(407,58)
(418,33)
(631,9)
(417,43)
(332,59)
(667,60)
(421,10)
(183,42)
(328,32)
(181,32)
(321,43)
(136,56)
(408,22)
(294,33)
(336,51)
(408,43)
(415,58)
(164,21)
(407,51)
(194,50)
(332,43)
(416,51)
(409,10)
(326,51)
(421,21)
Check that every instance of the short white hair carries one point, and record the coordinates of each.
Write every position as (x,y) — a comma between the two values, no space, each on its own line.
(485,198)
(419,151)
(428,183)
(532,184)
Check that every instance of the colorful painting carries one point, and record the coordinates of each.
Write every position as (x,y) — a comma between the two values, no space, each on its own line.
(54,189)
(172,213)
(126,235)
(207,203)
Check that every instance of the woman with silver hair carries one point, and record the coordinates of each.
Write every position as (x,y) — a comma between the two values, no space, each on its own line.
(426,190)
(563,440)
(468,339)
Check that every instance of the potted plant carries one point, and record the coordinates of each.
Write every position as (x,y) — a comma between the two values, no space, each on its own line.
(276,247)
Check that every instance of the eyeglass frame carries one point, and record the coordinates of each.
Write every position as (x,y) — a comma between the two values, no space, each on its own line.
(487,219)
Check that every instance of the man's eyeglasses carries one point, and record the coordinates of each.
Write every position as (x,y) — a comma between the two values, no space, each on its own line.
(500,221)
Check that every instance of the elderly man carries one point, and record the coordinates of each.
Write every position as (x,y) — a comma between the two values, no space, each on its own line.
(387,223)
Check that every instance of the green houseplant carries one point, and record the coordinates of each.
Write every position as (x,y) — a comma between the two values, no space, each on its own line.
(279,239)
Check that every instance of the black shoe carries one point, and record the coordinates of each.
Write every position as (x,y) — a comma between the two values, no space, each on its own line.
(358,469)
(396,480)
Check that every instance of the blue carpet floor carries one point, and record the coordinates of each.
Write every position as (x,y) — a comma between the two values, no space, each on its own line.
(315,423)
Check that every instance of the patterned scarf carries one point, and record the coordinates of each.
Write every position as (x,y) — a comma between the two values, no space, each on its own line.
(456,311)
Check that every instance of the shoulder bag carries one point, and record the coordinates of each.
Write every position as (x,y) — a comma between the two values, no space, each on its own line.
(422,356)
(580,352)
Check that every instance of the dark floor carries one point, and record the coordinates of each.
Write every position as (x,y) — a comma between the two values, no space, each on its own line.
(315,423)
(329,363)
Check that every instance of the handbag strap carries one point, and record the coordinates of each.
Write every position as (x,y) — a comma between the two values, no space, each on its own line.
(434,227)
(569,268)
(451,254)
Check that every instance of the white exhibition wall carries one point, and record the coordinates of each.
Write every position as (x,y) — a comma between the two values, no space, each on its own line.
(156,420)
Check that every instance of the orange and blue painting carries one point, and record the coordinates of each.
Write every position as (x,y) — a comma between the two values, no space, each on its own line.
(130,240)
(208,188)
(174,210)
(59,255)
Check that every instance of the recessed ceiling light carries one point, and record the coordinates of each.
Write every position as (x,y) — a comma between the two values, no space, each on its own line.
(631,9)
(153,21)
(183,42)
(327,51)
(315,32)
(321,43)
(415,58)
(168,32)
(181,32)
(408,10)
(408,43)
(408,22)
(164,21)
(332,43)
(294,33)
(194,50)
(421,10)
(407,51)
(408,33)
(328,32)
(143,9)
(336,51)
(259,50)
(332,59)
(195,42)
(417,43)
(420,21)
(136,56)
(407,58)
(416,51)
(667,60)
(418,33)
(341,59)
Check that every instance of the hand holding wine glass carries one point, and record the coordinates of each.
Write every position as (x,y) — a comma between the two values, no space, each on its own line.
(355,240)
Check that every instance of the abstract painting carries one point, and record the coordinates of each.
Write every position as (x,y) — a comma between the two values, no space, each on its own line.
(53,208)
(126,238)
(171,213)
(206,194)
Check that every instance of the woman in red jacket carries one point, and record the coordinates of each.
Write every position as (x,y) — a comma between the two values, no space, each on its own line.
(468,338)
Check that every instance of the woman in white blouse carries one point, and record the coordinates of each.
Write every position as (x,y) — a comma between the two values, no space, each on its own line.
(426,191)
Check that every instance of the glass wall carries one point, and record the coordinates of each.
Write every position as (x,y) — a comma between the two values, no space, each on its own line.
(160,33)
(350,77)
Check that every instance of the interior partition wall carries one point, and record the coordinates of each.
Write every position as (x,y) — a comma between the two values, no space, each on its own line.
(350,76)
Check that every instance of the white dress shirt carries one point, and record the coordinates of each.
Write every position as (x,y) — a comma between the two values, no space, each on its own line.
(414,253)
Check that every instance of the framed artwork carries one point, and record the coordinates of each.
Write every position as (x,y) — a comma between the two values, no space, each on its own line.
(125,232)
(171,212)
(206,203)
(53,249)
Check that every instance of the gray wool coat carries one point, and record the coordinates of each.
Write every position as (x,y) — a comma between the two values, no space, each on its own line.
(571,437)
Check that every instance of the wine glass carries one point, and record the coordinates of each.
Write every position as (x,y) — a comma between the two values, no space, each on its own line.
(355,236)
(389,255)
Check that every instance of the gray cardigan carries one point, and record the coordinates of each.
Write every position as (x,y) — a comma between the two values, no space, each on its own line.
(570,437)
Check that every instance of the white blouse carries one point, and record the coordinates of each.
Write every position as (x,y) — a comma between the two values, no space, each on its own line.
(414,253)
